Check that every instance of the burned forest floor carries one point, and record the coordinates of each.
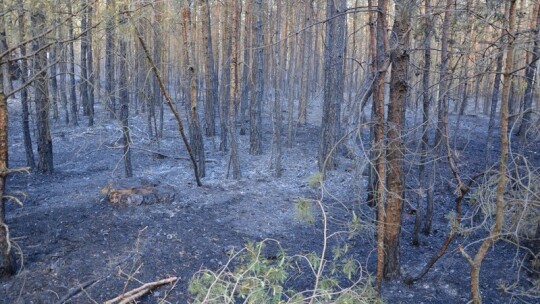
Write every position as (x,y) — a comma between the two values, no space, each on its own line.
(75,246)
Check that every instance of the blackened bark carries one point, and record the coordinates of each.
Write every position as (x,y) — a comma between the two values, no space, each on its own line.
(90,67)
(109,59)
(276,117)
(41,96)
(233,89)
(72,83)
(255,106)
(334,52)
(124,104)
(530,78)
(25,111)
(211,80)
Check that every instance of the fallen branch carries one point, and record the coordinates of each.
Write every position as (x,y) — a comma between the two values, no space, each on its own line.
(76,290)
(140,291)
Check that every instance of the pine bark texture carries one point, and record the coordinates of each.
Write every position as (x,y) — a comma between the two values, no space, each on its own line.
(395,180)
(41,96)
(334,52)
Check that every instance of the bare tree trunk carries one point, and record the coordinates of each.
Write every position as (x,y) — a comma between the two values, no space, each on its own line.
(63,85)
(41,96)
(296,74)
(211,80)
(379,52)
(244,99)
(442,112)
(25,111)
(124,101)
(276,117)
(90,64)
(333,84)
(399,58)
(157,99)
(52,62)
(530,77)
(233,90)
(196,138)
(72,83)
(255,106)
(494,102)
(426,182)
(225,81)
(83,88)
(306,63)
(8,265)
(109,60)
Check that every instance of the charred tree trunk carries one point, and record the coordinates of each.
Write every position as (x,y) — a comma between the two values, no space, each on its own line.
(83,88)
(255,106)
(211,79)
(72,83)
(109,60)
(399,58)
(124,102)
(196,139)
(244,97)
(333,84)
(233,90)
(306,85)
(426,182)
(442,112)
(157,99)
(41,95)
(277,95)
(90,67)
(530,77)
(225,81)
(25,107)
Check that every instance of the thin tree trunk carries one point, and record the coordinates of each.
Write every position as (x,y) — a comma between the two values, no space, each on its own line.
(171,107)
(244,99)
(41,97)
(395,150)
(157,99)
(381,50)
(211,80)
(233,90)
(494,102)
(425,181)
(306,84)
(83,88)
(63,85)
(90,67)
(444,82)
(530,77)
(124,102)
(226,81)
(72,82)
(109,60)
(25,111)
(196,138)
(8,265)
(333,85)
(276,117)
(255,106)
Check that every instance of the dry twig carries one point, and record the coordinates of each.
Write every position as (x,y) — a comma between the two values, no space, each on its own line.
(140,291)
